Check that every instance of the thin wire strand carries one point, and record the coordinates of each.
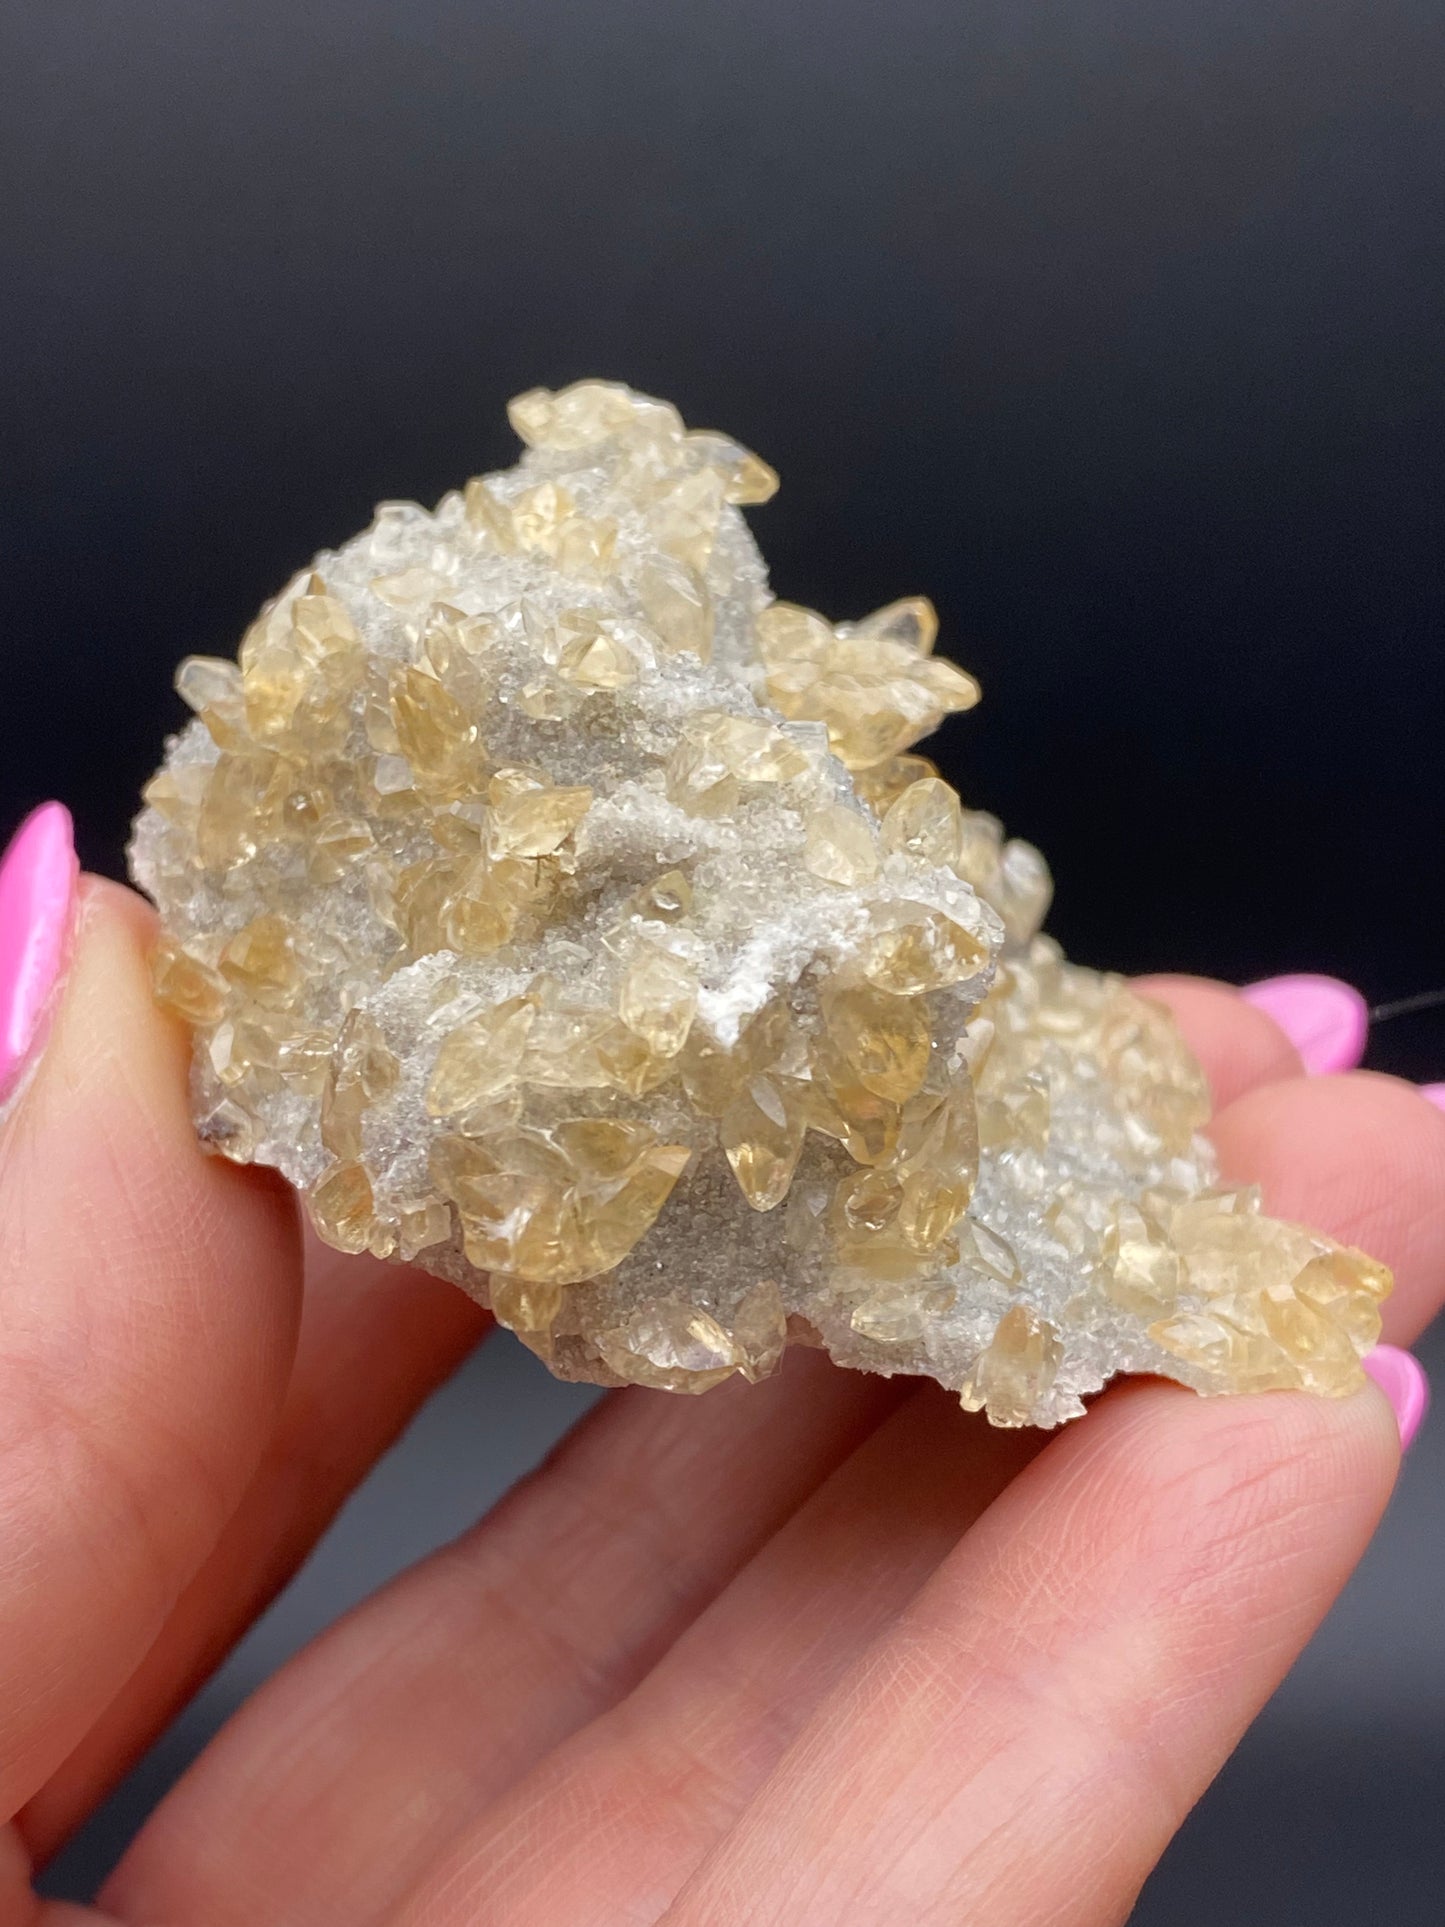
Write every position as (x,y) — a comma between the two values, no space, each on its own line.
(1407,1006)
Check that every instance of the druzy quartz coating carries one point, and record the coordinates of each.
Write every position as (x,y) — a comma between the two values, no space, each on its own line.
(563,913)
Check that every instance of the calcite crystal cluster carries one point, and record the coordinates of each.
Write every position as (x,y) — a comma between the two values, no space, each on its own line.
(563,913)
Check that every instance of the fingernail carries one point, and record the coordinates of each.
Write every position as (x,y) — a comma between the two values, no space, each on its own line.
(1434,1094)
(37,889)
(1326,1021)
(1401,1377)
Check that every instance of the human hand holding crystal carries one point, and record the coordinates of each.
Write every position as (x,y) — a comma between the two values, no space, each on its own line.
(824,1649)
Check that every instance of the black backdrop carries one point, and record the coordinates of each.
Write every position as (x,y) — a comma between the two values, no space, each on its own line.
(1116,325)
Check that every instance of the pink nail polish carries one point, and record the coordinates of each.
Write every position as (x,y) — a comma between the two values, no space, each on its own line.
(38,875)
(1401,1377)
(1327,1021)
(1434,1094)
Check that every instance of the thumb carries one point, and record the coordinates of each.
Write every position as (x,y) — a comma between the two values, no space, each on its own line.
(148,1303)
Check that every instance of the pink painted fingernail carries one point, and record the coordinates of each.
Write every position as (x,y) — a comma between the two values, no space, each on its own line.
(37,889)
(1434,1094)
(1401,1377)
(1326,1021)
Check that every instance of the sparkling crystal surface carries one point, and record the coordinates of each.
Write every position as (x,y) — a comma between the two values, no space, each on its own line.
(562,912)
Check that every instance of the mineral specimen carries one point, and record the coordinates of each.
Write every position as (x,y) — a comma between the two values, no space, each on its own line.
(561,912)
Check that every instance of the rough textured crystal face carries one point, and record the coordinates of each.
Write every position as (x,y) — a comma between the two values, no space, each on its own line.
(561,912)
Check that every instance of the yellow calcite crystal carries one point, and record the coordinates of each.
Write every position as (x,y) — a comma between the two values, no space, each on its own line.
(564,914)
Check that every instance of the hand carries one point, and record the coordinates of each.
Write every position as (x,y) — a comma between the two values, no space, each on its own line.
(821,1651)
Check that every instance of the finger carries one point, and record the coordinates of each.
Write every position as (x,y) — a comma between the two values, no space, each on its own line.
(1362,1157)
(1326,1020)
(375,1341)
(618,1772)
(148,1301)
(328,1795)
(1238,1046)
(630,1805)
(1023,1743)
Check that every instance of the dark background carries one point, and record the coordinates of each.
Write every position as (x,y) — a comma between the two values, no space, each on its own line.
(1117,328)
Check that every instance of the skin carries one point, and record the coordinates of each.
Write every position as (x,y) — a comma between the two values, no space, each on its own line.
(815,1652)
